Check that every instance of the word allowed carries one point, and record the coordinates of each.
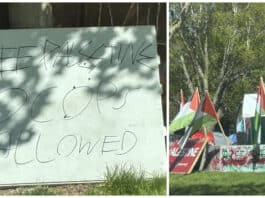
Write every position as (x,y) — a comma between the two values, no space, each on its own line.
(71,145)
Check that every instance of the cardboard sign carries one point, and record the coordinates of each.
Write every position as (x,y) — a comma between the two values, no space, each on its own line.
(259,166)
(237,158)
(73,101)
(242,158)
(183,161)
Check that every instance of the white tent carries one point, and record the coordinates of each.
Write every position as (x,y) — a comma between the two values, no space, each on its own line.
(248,114)
(219,138)
(249,105)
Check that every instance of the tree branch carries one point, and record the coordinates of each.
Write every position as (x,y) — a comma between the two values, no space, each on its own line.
(219,93)
(99,13)
(137,14)
(187,75)
(195,62)
(128,13)
(206,63)
(157,18)
(110,14)
(176,25)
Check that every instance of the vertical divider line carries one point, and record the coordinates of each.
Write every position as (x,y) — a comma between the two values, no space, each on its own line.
(167,95)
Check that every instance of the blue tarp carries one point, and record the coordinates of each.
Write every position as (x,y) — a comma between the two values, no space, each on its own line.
(233,138)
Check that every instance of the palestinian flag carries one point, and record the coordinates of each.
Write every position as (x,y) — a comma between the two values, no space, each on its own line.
(186,113)
(258,137)
(205,116)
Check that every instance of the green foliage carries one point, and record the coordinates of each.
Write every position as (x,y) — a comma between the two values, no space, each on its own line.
(239,27)
(39,190)
(124,181)
(129,181)
(218,183)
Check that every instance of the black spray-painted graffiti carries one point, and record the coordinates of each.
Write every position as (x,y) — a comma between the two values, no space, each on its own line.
(65,55)
(76,143)
(49,55)
(72,145)
(22,93)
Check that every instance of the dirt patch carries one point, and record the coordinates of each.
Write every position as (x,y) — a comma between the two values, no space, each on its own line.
(67,189)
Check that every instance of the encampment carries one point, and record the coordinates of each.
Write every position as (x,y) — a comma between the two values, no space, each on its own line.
(242,151)
(247,122)
(188,148)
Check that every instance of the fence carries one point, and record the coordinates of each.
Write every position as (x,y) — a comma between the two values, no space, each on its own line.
(38,15)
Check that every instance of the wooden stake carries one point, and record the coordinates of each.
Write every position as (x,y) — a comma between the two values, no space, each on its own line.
(203,160)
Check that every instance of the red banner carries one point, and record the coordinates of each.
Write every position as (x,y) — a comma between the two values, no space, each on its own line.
(183,161)
(213,161)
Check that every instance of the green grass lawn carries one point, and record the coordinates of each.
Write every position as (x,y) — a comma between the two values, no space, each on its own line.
(119,181)
(218,183)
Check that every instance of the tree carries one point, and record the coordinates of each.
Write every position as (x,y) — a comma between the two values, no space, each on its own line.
(216,47)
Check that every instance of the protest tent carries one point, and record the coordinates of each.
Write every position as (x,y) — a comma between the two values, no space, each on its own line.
(253,116)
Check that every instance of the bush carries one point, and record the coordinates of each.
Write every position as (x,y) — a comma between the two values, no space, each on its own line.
(129,181)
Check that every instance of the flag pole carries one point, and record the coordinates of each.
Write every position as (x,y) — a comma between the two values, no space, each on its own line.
(205,132)
(259,127)
(203,160)
(261,78)
(188,130)
(181,97)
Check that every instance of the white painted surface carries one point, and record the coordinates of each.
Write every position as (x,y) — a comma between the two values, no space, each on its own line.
(74,105)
